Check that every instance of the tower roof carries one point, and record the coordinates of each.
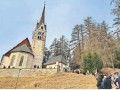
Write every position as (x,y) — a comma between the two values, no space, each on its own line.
(42,20)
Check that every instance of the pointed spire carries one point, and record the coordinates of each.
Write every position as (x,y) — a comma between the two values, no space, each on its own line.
(42,20)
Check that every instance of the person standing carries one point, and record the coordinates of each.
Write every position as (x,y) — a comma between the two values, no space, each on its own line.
(117,82)
(107,83)
(99,82)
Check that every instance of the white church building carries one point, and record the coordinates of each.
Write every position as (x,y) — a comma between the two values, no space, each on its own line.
(24,55)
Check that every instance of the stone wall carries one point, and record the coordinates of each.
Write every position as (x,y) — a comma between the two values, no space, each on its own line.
(26,72)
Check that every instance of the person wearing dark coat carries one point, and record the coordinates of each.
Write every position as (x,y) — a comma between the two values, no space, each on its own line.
(99,82)
(107,83)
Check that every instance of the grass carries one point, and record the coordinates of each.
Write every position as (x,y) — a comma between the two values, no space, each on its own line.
(55,81)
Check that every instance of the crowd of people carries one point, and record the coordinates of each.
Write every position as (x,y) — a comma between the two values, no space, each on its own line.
(77,71)
(105,81)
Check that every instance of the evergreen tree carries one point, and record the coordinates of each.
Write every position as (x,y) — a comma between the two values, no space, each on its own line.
(91,62)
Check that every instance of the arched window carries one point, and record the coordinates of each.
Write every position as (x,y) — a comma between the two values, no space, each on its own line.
(12,60)
(38,37)
(21,61)
(41,27)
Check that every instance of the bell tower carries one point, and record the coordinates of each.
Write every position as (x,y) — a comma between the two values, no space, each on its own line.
(39,39)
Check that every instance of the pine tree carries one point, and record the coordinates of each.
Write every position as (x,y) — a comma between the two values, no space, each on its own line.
(91,62)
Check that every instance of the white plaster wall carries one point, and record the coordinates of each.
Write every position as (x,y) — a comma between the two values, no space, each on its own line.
(27,61)
(16,58)
(5,61)
(51,66)
(27,58)
(62,66)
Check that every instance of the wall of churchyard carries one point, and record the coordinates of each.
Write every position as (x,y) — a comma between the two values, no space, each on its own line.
(26,72)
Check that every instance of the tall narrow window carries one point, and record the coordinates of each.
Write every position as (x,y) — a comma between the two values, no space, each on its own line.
(21,61)
(38,37)
(41,27)
(12,60)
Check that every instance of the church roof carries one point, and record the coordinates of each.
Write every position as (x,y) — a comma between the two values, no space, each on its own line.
(26,41)
(23,48)
(55,59)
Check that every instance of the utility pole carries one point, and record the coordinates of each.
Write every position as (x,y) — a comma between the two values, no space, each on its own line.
(17,78)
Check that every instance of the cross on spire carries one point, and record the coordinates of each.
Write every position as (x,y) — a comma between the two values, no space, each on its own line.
(44,3)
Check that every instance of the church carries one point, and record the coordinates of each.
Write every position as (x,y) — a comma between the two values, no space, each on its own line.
(24,55)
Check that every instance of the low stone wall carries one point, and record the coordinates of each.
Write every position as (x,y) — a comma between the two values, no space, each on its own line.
(26,72)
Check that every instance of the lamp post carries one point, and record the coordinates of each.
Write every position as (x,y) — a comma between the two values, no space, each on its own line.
(17,78)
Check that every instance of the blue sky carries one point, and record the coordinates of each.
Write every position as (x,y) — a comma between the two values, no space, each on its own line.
(18,18)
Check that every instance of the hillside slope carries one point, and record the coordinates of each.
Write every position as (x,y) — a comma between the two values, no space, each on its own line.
(55,81)
(109,70)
